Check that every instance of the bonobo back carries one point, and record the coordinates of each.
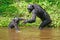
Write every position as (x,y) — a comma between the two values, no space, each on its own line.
(41,13)
(38,7)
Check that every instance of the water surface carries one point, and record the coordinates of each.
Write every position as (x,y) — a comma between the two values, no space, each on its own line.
(30,33)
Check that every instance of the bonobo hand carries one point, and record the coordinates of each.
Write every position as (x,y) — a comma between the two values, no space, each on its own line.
(25,21)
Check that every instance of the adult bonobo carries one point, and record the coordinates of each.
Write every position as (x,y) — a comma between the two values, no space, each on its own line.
(41,13)
(14,23)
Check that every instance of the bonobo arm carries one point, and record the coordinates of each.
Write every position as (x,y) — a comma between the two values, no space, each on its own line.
(21,19)
(32,19)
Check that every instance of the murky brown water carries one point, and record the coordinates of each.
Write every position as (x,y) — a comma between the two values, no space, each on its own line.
(30,34)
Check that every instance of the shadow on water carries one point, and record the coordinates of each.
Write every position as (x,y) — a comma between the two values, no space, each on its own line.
(30,34)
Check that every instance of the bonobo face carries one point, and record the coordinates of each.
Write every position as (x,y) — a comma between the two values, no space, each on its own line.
(30,8)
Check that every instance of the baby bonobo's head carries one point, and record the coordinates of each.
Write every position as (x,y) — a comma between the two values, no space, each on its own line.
(16,18)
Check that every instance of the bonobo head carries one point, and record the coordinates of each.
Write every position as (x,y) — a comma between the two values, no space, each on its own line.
(30,8)
(16,19)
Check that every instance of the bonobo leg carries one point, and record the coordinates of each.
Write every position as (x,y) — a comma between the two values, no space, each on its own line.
(11,26)
(44,23)
(16,27)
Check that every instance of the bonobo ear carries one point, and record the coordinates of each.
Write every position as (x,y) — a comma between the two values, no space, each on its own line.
(33,6)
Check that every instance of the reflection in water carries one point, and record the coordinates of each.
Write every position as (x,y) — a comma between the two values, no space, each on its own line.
(13,35)
(56,34)
(46,34)
(30,34)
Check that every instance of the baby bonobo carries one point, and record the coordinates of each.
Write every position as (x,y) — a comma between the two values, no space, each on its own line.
(14,23)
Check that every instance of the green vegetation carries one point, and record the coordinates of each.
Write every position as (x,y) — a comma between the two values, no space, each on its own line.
(12,8)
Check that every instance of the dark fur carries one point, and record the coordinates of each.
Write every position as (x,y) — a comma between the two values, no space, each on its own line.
(14,23)
(39,12)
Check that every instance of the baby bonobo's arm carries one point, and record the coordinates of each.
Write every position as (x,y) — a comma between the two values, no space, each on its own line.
(33,19)
(22,19)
